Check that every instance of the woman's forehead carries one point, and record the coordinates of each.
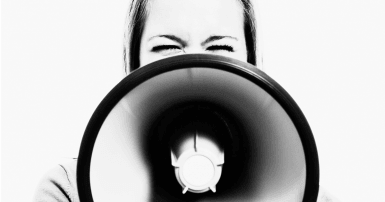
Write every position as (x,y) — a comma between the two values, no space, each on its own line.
(194,17)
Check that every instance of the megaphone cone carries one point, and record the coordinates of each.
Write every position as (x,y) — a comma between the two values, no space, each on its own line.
(198,128)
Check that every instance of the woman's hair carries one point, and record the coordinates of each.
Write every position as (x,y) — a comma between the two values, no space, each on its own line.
(136,19)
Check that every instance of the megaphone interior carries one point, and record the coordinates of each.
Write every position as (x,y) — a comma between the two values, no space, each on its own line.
(198,127)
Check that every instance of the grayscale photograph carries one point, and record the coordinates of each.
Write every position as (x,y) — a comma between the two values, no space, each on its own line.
(192,100)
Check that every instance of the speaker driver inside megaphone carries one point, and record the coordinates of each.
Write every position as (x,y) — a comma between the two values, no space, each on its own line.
(198,127)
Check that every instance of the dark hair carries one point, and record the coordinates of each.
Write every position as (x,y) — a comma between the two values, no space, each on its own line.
(135,22)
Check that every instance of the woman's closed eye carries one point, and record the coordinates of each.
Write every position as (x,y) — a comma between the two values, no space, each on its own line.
(215,48)
(166,49)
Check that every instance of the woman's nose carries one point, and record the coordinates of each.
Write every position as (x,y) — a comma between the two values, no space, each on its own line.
(193,49)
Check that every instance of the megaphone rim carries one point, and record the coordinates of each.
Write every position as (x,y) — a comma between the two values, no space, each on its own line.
(234,66)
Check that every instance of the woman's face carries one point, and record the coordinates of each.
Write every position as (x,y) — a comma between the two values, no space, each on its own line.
(175,27)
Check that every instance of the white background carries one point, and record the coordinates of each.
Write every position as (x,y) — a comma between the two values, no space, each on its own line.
(60,58)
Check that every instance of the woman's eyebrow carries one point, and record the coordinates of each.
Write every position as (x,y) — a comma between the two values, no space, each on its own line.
(217,37)
(171,37)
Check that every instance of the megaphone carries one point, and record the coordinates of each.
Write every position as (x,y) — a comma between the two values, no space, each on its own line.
(198,127)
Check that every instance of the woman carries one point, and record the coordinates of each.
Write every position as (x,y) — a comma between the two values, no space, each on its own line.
(185,21)
(162,28)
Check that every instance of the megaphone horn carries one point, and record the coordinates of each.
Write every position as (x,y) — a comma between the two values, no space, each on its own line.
(198,127)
